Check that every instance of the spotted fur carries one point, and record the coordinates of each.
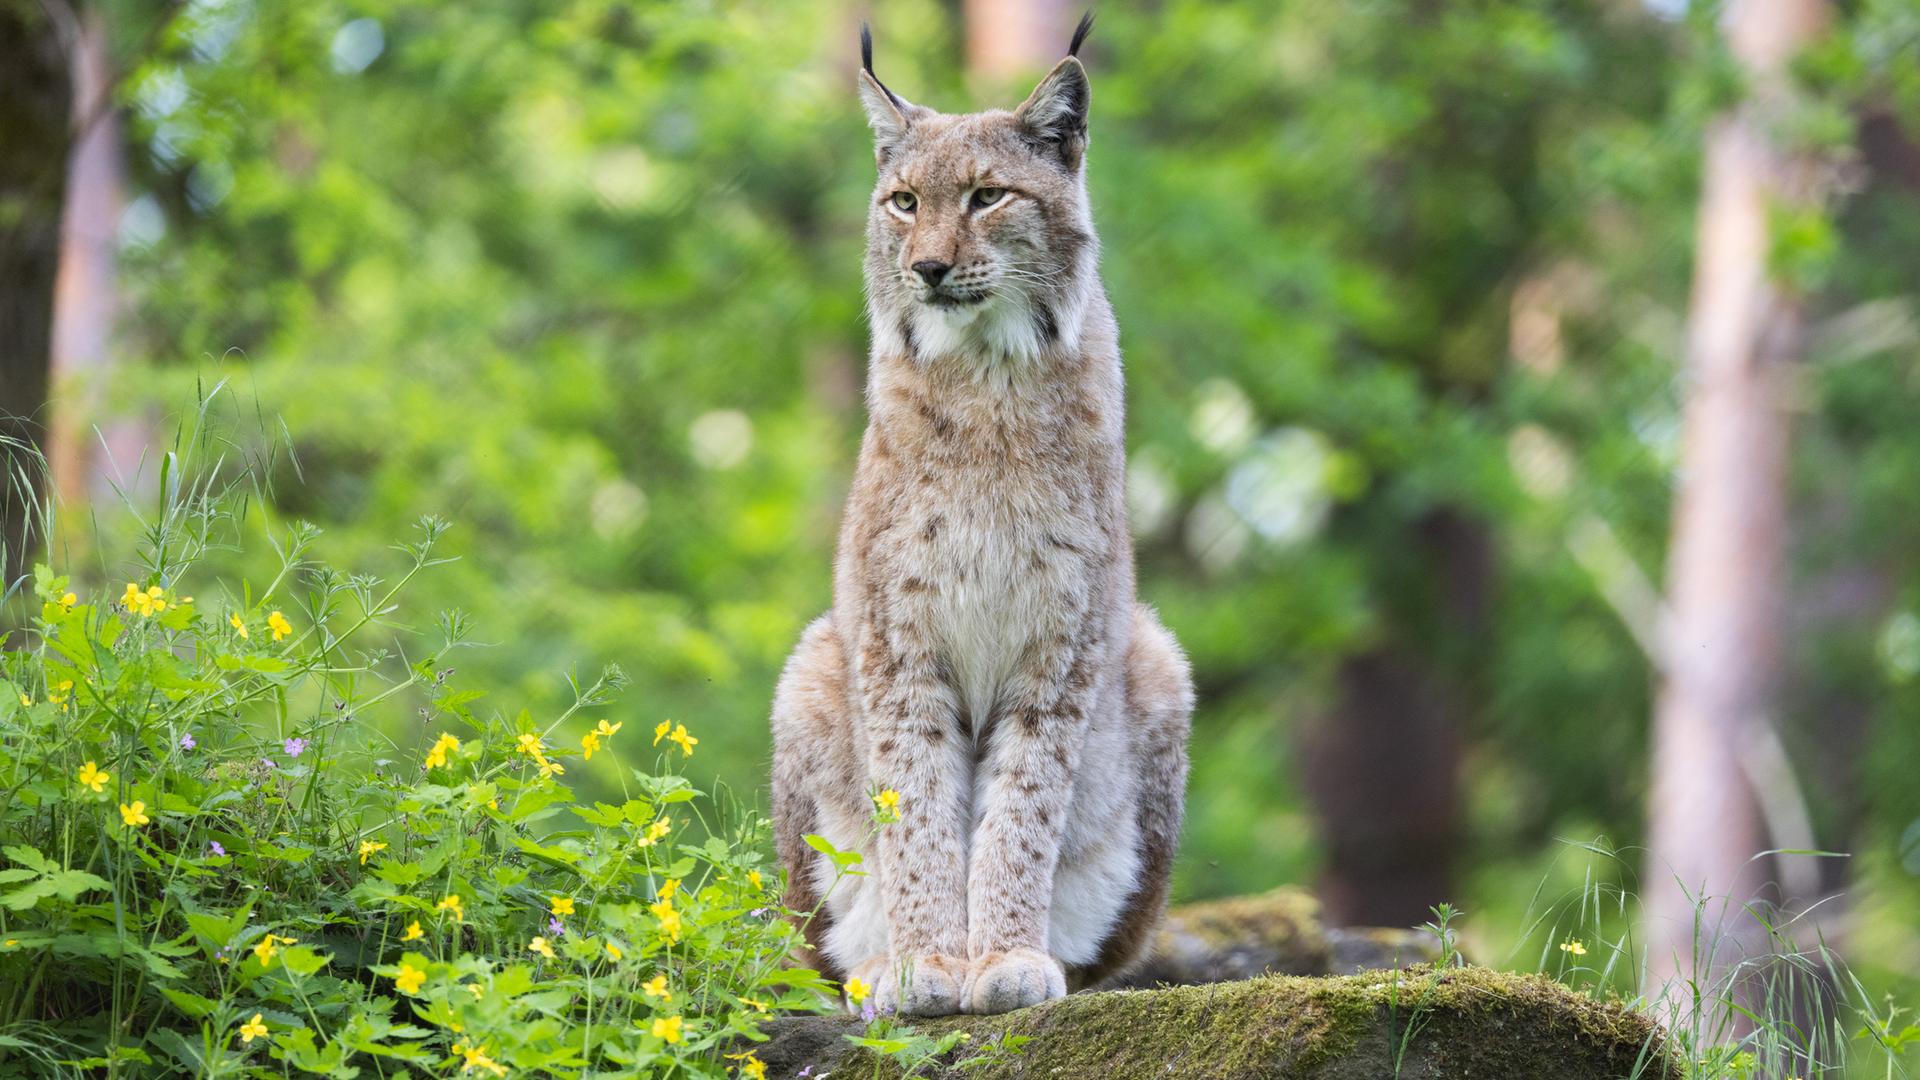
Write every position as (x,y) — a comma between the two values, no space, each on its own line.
(985,656)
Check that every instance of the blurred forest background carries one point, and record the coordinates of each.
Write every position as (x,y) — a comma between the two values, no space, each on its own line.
(1405,289)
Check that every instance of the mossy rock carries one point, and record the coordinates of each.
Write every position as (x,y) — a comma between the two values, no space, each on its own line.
(1417,1024)
(1278,932)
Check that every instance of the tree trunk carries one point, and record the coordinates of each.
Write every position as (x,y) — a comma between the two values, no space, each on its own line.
(35,121)
(1381,768)
(1010,39)
(1720,646)
(86,300)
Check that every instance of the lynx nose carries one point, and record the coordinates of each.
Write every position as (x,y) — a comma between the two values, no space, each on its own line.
(931,271)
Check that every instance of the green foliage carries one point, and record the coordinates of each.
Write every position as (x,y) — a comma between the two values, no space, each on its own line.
(584,277)
(220,860)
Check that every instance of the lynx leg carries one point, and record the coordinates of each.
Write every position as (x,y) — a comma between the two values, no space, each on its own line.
(810,723)
(1159,687)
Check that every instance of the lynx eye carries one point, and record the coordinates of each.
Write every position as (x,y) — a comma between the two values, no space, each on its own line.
(987,196)
(904,201)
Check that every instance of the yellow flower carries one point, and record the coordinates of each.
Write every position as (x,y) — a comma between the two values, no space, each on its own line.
(452,903)
(92,776)
(672,886)
(444,745)
(26,701)
(67,602)
(268,946)
(477,990)
(887,802)
(685,740)
(550,769)
(367,848)
(1574,946)
(758,1006)
(148,603)
(589,744)
(614,951)
(476,1058)
(660,731)
(278,623)
(668,1028)
(657,987)
(414,932)
(252,1029)
(561,905)
(239,625)
(754,877)
(529,745)
(135,815)
(410,979)
(655,831)
(669,919)
(857,991)
(607,731)
(750,1066)
(539,945)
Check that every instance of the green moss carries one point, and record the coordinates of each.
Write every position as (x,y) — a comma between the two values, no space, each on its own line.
(1455,1023)
(1284,919)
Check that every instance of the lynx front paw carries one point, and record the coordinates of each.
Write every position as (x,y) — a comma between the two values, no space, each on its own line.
(927,985)
(1003,981)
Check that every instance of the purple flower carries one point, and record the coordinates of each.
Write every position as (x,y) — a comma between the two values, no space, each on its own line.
(556,927)
(187,741)
(868,1012)
(214,847)
(803,1074)
(758,913)
(295,747)
(268,762)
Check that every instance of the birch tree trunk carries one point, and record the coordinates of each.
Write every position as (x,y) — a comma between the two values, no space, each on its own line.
(1720,646)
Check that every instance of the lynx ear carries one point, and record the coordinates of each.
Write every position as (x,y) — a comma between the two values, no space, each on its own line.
(888,112)
(1054,116)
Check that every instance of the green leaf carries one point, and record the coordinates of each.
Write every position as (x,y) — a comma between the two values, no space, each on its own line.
(303,961)
(26,897)
(192,1004)
(401,874)
(176,1046)
(69,884)
(842,859)
(28,856)
(533,802)
(559,858)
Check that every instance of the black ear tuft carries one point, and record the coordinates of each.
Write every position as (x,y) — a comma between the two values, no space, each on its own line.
(1079,33)
(866,62)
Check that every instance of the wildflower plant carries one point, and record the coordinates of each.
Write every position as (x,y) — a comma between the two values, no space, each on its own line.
(230,848)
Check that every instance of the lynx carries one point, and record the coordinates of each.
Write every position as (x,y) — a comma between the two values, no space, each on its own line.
(984,657)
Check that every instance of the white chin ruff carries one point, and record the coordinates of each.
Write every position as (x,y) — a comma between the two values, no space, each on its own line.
(1000,329)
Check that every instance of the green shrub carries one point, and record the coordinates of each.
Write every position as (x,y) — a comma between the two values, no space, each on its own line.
(218,861)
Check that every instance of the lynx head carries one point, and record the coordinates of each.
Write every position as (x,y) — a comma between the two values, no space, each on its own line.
(980,245)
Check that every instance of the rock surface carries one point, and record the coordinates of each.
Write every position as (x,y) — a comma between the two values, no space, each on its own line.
(1417,1023)
(1279,932)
